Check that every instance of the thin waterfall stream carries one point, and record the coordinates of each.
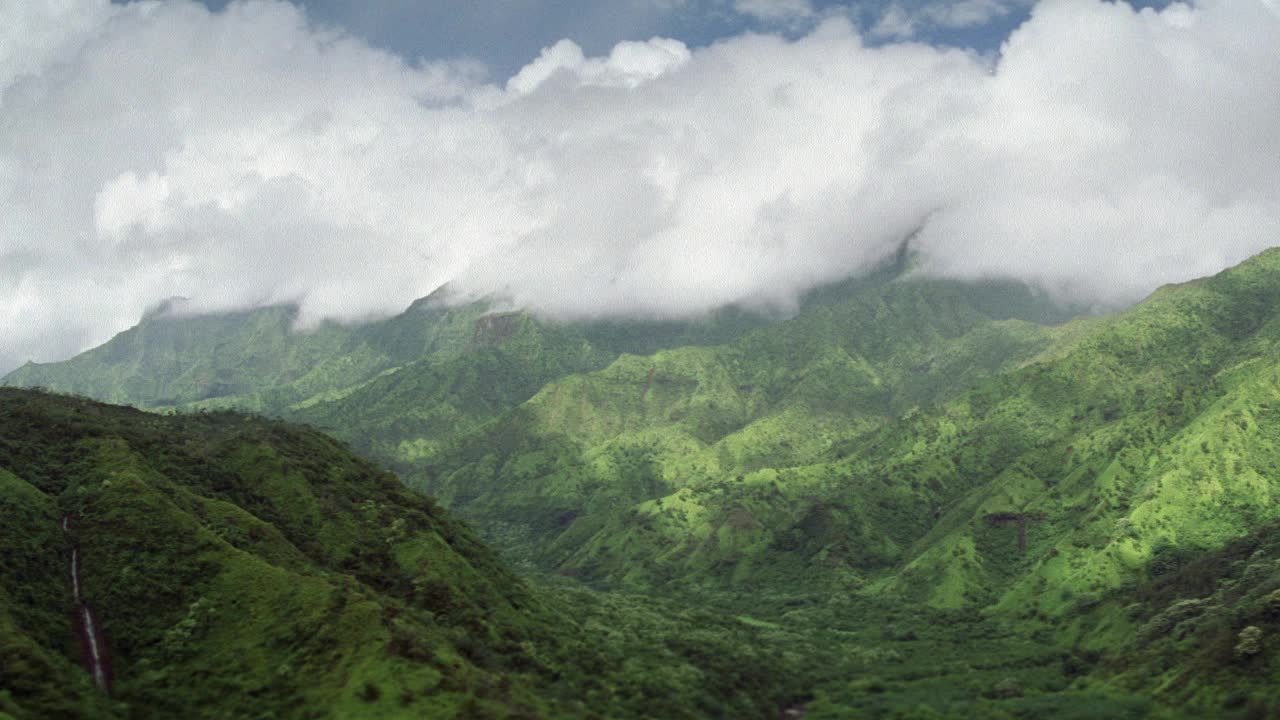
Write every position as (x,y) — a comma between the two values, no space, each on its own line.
(93,645)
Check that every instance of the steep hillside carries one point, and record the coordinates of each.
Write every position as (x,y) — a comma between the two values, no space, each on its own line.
(260,360)
(573,422)
(913,496)
(253,359)
(1152,433)
(219,565)
(236,567)
(404,388)
(407,415)
(1090,453)
(841,447)
(1206,627)
(422,404)
(592,455)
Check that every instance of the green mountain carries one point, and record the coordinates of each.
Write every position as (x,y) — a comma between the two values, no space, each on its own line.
(251,359)
(237,567)
(915,497)
(421,390)
(434,369)
(259,359)
(592,454)
(842,445)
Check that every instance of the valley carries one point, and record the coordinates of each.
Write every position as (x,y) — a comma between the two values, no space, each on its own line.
(912,498)
(639,360)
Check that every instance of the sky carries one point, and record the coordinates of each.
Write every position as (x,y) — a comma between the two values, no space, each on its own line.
(505,34)
(623,158)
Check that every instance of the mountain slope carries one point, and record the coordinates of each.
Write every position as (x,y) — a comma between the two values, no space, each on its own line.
(778,458)
(251,359)
(1151,432)
(568,463)
(240,566)
(857,354)
(905,499)
(244,568)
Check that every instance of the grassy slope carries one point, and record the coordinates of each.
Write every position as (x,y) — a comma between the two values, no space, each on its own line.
(1207,627)
(635,448)
(1126,440)
(252,569)
(407,416)
(775,456)
(1155,430)
(35,671)
(839,456)
(259,360)
(252,359)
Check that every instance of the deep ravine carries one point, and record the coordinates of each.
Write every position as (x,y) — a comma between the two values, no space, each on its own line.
(93,646)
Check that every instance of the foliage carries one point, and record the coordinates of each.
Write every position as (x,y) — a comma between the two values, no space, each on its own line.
(245,568)
(913,498)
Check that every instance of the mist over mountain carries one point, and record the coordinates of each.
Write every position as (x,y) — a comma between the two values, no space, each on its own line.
(614,359)
(915,495)
(250,157)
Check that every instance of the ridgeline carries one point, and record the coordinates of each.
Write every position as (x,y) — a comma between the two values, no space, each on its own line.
(913,498)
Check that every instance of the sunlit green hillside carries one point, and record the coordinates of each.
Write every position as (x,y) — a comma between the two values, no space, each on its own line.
(911,496)
(593,456)
(834,448)
(244,568)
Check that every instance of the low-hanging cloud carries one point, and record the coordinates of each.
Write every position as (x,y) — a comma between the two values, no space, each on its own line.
(247,157)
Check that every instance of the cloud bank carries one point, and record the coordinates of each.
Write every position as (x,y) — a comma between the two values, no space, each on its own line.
(247,157)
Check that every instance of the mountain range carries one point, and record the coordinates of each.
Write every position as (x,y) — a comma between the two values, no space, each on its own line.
(909,496)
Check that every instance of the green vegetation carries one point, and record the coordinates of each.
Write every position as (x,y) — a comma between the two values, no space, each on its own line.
(249,359)
(597,468)
(244,568)
(914,498)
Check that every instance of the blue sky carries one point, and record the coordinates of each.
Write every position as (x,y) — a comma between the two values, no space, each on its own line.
(506,34)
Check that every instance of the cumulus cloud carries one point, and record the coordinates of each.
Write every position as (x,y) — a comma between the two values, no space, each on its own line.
(247,157)
(629,64)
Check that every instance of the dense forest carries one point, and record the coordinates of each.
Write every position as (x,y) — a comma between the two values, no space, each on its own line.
(911,498)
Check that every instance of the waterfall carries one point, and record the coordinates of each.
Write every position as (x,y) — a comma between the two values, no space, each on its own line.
(75,574)
(95,651)
(93,645)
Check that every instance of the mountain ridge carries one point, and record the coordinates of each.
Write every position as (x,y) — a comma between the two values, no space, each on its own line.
(905,452)
(242,567)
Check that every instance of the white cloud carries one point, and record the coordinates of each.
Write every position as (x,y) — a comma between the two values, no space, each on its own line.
(39,33)
(629,64)
(244,157)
